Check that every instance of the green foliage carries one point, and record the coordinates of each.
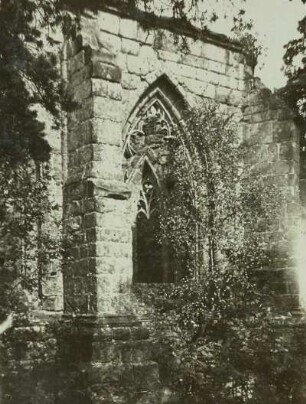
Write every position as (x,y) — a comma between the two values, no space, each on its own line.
(294,92)
(214,206)
(295,69)
(243,31)
(29,77)
(219,343)
(29,73)
(218,338)
(23,68)
(26,245)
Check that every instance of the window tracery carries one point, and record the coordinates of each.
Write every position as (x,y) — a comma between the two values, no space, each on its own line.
(153,125)
(145,152)
(147,199)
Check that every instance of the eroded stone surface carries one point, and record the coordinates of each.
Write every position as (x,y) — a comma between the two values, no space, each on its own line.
(130,85)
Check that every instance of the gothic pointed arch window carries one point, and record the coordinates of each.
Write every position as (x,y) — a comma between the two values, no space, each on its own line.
(148,255)
(146,149)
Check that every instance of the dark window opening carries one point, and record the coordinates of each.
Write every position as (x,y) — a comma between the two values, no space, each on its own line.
(151,258)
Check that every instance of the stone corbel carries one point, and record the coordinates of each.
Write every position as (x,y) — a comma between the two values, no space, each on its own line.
(111,189)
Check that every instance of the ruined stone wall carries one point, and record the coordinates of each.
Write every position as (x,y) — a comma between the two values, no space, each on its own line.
(114,69)
(273,142)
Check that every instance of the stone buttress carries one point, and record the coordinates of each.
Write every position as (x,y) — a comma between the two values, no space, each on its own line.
(130,85)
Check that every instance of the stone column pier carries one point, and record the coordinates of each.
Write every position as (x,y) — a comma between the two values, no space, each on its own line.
(107,346)
(98,275)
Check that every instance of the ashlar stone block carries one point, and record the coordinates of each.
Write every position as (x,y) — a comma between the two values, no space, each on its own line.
(81,75)
(289,151)
(108,89)
(285,131)
(79,60)
(128,28)
(107,109)
(200,88)
(107,131)
(214,52)
(130,81)
(130,47)
(263,153)
(101,70)
(168,55)
(108,43)
(82,90)
(106,166)
(258,133)
(108,22)
(133,65)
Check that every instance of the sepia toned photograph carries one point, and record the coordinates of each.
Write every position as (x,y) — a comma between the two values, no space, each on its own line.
(152,201)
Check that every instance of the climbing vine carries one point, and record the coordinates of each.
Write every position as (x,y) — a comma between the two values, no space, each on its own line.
(214,205)
(217,335)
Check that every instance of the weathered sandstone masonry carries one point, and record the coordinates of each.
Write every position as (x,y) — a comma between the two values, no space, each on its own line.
(115,69)
(126,80)
(130,85)
(273,141)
